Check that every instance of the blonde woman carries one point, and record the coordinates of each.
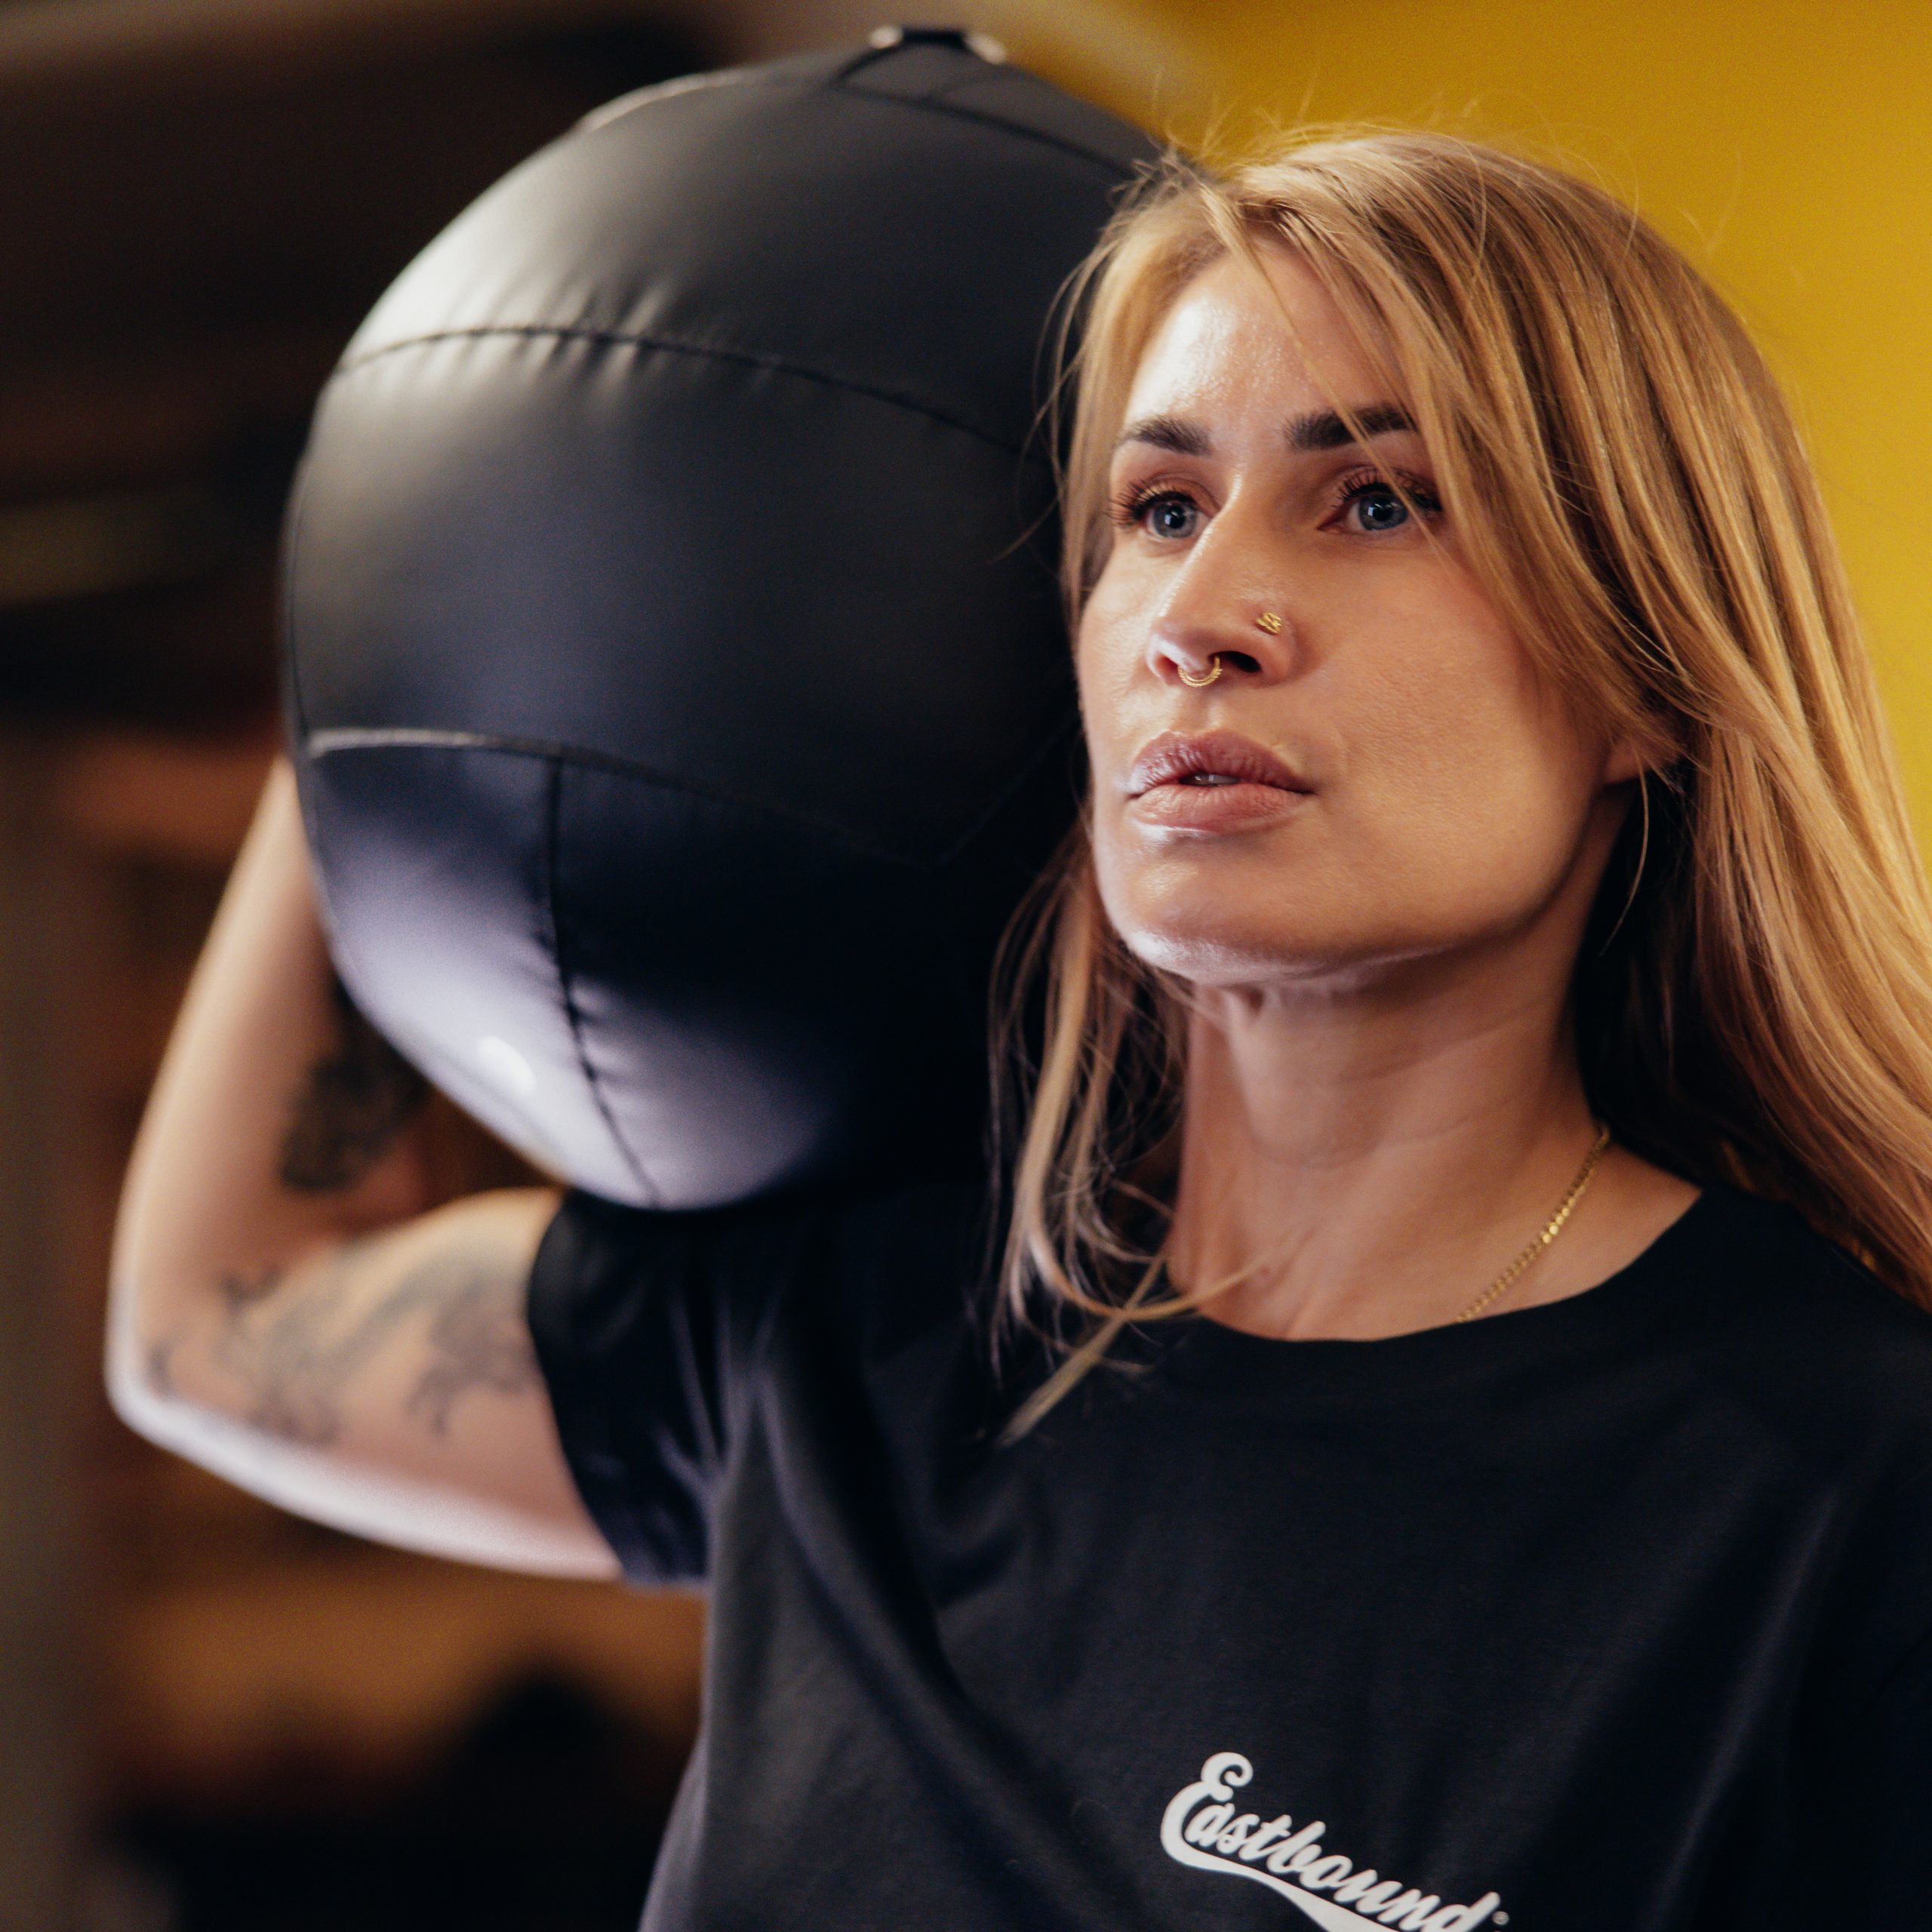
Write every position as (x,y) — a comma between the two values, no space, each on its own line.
(1450,1443)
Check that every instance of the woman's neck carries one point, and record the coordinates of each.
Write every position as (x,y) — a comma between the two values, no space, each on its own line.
(1365,1162)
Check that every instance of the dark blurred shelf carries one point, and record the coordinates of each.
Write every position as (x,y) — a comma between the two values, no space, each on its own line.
(201,201)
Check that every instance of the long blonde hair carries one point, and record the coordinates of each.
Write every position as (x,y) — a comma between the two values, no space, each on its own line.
(1753,1001)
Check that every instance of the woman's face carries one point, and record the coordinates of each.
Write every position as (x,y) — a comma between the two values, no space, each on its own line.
(1382,778)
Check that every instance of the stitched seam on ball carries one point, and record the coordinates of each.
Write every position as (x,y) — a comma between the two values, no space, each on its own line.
(1049,736)
(1050,742)
(844,80)
(672,346)
(321,744)
(573,1016)
(938,104)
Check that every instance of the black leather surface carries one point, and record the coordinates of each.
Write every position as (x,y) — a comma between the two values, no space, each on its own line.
(676,672)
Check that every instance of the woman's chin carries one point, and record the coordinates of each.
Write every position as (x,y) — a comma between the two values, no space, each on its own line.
(1212,937)
(1227,951)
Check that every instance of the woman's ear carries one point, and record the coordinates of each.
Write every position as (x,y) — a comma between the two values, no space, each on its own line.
(1627,758)
(1652,747)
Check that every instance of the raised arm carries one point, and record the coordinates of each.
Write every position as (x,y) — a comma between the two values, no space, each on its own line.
(290,1307)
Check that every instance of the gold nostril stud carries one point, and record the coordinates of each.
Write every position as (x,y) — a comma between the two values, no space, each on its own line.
(1269,621)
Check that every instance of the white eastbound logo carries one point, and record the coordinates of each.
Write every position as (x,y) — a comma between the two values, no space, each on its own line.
(1205,1827)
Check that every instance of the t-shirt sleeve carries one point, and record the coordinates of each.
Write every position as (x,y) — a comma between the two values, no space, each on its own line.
(1863,1829)
(648,1328)
(1876,1861)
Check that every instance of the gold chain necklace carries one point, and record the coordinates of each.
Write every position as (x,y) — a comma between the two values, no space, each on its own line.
(1552,1229)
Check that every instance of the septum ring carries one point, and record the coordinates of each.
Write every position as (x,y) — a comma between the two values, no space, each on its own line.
(1268,621)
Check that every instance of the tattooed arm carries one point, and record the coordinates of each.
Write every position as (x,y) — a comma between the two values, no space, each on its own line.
(291,1307)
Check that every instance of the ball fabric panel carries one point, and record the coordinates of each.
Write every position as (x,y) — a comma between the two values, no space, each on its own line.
(984,215)
(679,693)
(440,855)
(759,585)
(819,993)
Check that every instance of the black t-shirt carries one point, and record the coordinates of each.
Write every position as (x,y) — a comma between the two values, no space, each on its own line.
(1611,1615)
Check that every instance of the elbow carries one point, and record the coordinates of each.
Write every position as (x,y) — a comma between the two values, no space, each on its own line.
(137,1364)
(146,1389)
(138,1389)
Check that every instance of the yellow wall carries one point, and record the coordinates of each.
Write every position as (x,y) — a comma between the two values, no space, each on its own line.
(1787,146)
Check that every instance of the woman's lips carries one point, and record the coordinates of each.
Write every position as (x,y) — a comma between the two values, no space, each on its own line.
(1217,781)
(1175,756)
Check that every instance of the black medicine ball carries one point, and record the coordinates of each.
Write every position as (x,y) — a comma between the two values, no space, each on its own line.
(676,679)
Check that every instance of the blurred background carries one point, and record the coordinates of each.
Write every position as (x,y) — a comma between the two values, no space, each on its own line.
(213,1715)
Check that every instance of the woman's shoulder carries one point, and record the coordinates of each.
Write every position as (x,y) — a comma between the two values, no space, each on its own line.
(908,1246)
(1800,1326)
(944,1224)
(1806,1279)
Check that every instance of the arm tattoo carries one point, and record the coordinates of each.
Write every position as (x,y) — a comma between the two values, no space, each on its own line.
(298,1360)
(161,1363)
(479,1342)
(351,1108)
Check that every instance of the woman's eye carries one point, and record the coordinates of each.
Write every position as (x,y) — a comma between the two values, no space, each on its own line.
(1376,508)
(1169,515)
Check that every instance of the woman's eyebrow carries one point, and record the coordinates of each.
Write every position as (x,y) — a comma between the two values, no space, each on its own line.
(1323,429)
(1167,432)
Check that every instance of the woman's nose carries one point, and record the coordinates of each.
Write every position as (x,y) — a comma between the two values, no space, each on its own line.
(1195,639)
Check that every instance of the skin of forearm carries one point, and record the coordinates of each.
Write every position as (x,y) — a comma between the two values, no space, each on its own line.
(290,1307)
(208,1199)
(401,1353)
(287,1349)
(385,1385)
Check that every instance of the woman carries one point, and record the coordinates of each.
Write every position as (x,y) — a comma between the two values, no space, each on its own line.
(1422,1478)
